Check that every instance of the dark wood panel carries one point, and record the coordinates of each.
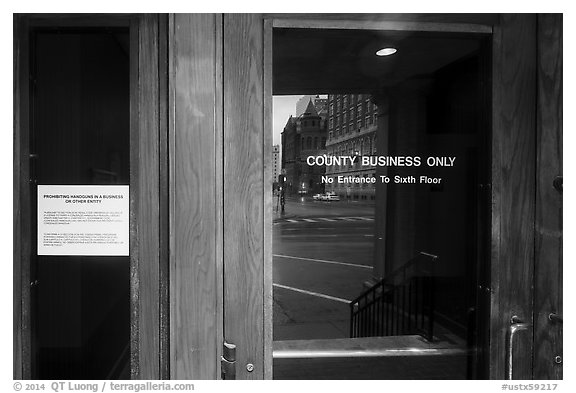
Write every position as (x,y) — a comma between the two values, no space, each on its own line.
(219,181)
(163,198)
(268,180)
(513,174)
(145,257)
(134,205)
(548,257)
(243,191)
(21,201)
(195,292)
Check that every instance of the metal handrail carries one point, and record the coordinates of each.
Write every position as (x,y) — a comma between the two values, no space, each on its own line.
(388,280)
(396,308)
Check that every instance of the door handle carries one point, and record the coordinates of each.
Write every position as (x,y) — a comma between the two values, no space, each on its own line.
(557,183)
(553,317)
(228,361)
(516,325)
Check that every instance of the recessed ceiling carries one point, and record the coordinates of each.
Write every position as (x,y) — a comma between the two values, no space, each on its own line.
(309,61)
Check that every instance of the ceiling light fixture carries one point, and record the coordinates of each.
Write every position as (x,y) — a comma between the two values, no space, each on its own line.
(386,51)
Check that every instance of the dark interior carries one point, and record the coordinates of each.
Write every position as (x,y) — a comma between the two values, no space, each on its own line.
(437,104)
(309,61)
(80,135)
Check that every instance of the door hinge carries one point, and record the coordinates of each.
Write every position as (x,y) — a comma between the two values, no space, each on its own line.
(228,361)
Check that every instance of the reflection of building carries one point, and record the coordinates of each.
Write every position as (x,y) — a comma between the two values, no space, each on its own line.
(303,136)
(352,128)
(275,163)
(302,104)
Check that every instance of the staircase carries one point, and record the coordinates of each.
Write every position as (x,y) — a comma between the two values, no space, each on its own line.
(402,303)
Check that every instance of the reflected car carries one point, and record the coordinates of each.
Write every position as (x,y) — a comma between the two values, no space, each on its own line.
(332,197)
(317,197)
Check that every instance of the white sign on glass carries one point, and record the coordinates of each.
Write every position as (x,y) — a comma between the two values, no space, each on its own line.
(83,220)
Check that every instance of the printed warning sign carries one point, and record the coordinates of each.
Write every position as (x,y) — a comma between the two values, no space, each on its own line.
(83,220)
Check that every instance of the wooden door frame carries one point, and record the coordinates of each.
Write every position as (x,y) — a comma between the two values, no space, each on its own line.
(548,237)
(513,161)
(148,189)
(247,196)
(196,197)
(513,190)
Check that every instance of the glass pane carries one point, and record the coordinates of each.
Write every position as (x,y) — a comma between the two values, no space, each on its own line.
(379,232)
(80,136)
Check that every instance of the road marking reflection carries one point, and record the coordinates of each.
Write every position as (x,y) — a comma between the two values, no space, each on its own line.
(336,299)
(322,261)
(335,219)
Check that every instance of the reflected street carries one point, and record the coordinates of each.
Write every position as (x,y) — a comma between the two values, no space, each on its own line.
(322,257)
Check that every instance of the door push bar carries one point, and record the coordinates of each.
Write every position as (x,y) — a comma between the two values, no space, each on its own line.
(516,325)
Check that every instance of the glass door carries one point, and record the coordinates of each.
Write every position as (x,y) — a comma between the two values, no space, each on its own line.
(80,161)
(363,179)
(380,203)
(88,143)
